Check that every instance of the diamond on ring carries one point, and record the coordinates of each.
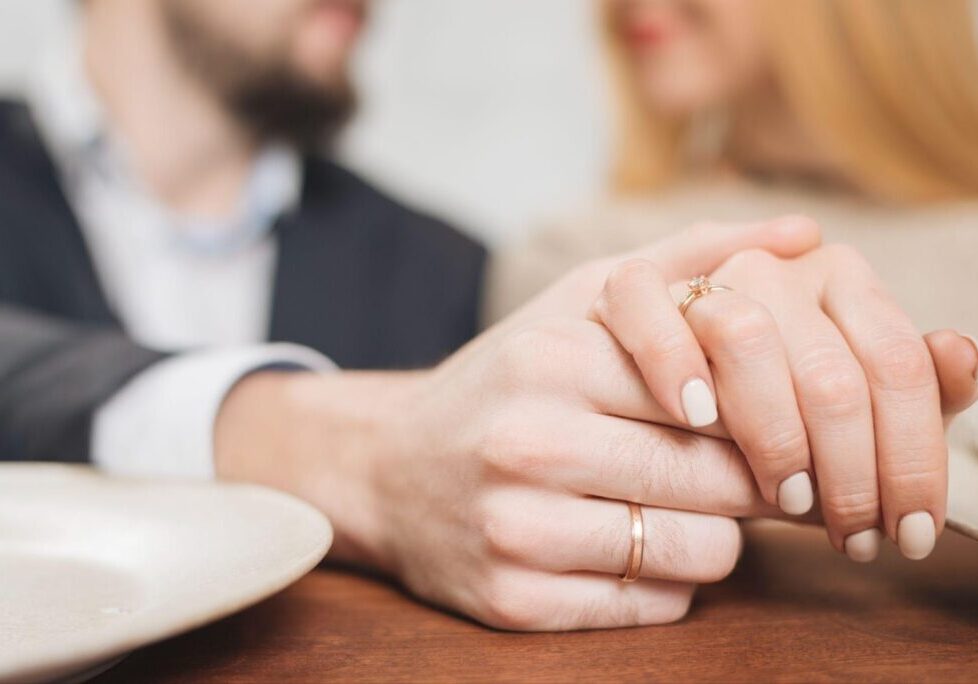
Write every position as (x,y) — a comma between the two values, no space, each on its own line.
(697,287)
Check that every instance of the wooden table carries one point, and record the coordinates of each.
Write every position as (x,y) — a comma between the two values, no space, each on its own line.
(794,611)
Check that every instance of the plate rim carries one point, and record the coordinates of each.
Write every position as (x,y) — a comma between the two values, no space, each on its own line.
(44,666)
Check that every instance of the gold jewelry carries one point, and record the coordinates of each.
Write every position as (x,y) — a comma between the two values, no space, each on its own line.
(638,543)
(700,286)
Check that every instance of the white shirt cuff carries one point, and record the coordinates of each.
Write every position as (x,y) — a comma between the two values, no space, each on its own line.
(161,423)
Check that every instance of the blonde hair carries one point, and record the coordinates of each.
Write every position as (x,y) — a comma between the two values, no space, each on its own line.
(888,87)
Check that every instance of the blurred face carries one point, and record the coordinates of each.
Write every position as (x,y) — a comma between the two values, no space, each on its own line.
(691,54)
(280,65)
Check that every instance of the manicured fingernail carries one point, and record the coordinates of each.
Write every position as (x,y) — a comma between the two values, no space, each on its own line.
(864,546)
(975,343)
(916,535)
(795,494)
(698,403)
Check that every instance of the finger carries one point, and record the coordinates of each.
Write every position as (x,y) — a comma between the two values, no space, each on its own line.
(703,247)
(956,361)
(911,451)
(628,460)
(607,380)
(834,399)
(561,533)
(637,308)
(525,599)
(697,250)
(756,395)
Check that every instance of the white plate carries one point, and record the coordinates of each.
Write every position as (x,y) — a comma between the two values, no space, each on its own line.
(92,567)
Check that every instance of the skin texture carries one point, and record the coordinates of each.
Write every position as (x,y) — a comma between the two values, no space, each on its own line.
(428,476)
(493,483)
(484,484)
(816,371)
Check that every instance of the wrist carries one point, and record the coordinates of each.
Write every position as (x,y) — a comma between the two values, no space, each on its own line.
(324,438)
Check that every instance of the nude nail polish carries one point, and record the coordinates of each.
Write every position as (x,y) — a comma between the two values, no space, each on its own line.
(864,546)
(795,494)
(916,535)
(698,403)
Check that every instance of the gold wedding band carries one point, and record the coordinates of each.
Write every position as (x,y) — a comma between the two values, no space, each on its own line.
(638,543)
(700,286)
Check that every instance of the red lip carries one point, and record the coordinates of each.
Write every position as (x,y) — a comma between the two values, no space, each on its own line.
(647,34)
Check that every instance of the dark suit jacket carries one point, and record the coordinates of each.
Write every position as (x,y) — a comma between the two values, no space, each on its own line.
(359,277)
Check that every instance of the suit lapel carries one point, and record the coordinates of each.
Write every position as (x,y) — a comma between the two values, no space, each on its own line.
(52,246)
(323,287)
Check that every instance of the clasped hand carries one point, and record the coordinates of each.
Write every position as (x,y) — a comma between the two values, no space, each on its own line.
(495,484)
(545,424)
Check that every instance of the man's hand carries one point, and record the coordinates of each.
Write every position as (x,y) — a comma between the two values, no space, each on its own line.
(495,484)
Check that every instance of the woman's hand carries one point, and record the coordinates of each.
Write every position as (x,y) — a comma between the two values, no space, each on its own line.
(817,372)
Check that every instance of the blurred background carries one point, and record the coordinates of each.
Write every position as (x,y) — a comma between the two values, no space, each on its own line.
(494,121)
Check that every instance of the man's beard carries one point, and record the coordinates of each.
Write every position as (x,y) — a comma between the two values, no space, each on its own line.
(269,99)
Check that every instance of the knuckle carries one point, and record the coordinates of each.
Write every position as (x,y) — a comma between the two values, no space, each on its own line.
(836,396)
(490,449)
(915,474)
(901,361)
(629,275)
(667,342)
(502,534)
(781,447)
(831,383)
(601,308)
(507,448)
(746,326)
(491,529)
(507,604)
(857,507)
